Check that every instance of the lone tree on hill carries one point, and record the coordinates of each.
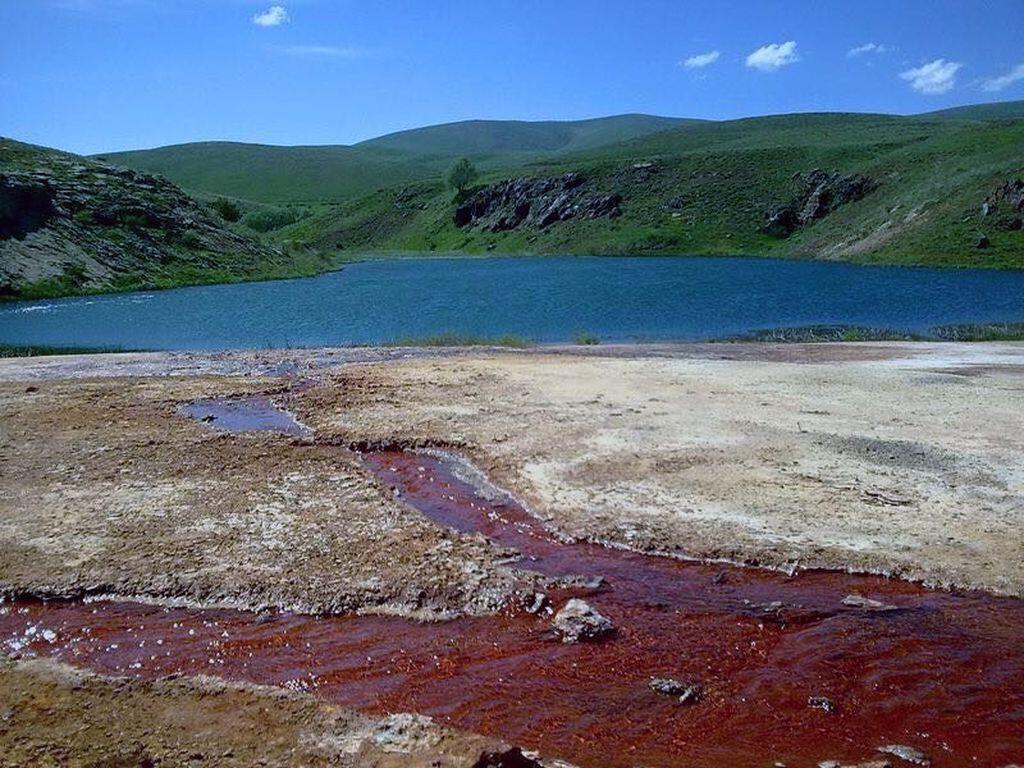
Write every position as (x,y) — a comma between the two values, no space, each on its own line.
(462,174)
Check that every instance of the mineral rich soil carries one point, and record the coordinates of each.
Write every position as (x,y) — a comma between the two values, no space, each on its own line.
(891,458)
(54,715)
(109,488)
(797,669)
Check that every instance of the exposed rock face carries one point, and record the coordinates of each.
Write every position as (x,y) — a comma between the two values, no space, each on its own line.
(536,203)
(823,193)
(1005,205)
(67,218)
(25,206)
(577,621)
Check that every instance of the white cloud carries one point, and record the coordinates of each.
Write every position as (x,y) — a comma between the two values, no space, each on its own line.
(701,60)
(771,58)
(321,51)
(274,16)
(1004,81)
(933,78)
(876,48)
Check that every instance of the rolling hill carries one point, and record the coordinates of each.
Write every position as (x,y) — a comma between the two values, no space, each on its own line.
(918,184)
(996,110)
(490,137)
(313,174)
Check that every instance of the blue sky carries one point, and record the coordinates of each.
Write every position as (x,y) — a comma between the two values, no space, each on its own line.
(98,75)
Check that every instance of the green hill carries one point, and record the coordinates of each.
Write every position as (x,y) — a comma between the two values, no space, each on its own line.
(997,110)
(71,225)
(490,137)
(335,173)
(708,188)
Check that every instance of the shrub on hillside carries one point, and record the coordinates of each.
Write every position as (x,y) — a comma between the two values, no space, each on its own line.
(269,219)
(227,209)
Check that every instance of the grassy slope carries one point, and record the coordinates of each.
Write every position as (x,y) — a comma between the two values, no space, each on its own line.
(722,177)
(487,137)
(335,173)
(132,252)
(996,110)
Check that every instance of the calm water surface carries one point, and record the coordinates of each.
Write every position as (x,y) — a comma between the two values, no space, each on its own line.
(543,299)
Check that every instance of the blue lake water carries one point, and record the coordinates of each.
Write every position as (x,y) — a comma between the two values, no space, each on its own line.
(544,299)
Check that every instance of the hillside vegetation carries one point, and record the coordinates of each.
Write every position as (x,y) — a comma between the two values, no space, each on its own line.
(70,225)
(336,173)
(709,188)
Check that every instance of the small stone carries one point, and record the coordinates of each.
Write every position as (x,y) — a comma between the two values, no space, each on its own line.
(822,703)
(982,242)
(577,621)
(859,601)
(688,692)
(537,604)
(903,752)
(510,758)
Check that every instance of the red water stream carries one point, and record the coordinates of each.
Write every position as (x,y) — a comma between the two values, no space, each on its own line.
(944,672)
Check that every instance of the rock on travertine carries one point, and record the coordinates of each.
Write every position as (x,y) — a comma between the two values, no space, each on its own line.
(404,732)
(823,192)
(859,601)
(687,693)
(577,621)
(535,203)
(822,703)
(903,752)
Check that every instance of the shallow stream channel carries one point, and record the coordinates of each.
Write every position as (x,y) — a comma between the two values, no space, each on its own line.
(767,667)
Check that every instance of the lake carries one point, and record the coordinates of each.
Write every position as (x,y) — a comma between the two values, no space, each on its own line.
(542,299)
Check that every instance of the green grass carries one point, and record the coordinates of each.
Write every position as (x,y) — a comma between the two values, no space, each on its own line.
(831,333)
(984,332)
(186,272)
(585,339)
(9,350)
(452,339)
(997,110)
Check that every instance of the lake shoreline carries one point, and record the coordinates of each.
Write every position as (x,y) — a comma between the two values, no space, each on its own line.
(979,333)
(347,258)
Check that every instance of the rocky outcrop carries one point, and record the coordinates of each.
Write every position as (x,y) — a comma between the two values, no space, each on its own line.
(578,620)
(535,203)
(1004,206)
(823,192)
(25,206)
(85,225)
